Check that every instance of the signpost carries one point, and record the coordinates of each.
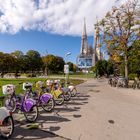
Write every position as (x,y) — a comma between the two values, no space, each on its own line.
(66,68)
(66,71)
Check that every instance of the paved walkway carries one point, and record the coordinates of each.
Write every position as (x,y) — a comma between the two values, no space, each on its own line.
(100,112)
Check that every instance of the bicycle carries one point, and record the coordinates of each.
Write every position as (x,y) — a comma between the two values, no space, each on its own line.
(65,90)
(6,123)
(70,90)
(73,90)
(42,98)
(23,102)
(56,93)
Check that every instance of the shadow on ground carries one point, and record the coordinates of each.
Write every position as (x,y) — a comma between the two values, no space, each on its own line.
(63,113)
(36,134)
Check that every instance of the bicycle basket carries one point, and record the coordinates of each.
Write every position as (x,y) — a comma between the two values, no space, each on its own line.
(27,86)
(49,82)
(57,81)
(8,89)
(39,84)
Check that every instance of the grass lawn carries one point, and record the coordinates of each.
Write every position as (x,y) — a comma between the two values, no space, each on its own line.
(80,75)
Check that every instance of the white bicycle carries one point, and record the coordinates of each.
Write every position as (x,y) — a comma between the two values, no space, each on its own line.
(6,123)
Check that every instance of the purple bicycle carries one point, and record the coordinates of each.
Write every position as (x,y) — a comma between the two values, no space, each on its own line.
(23,102)
(45,100)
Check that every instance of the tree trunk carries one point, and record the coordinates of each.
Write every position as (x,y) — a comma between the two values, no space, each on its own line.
(46,71)
(126,69)
(126,66)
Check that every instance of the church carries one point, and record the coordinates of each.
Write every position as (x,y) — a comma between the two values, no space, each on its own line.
(89,55)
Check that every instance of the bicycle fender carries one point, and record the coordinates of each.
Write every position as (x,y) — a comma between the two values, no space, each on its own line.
(29,103)
(45,97)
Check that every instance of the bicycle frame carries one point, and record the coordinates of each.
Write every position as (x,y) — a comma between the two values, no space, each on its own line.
(27,102)
(42,97)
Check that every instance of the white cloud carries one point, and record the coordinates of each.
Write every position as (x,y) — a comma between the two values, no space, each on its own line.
(63,17)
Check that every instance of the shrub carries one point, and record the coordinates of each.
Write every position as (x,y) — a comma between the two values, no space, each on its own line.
(132,76)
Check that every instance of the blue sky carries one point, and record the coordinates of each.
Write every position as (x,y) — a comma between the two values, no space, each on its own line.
(52,25)
(42,42)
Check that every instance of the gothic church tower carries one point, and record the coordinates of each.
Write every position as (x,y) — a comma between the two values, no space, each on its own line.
(84,42)
(97,51)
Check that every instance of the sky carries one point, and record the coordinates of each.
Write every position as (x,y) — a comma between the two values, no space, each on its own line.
(49,26)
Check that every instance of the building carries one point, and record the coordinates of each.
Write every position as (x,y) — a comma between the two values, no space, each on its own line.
(89,55)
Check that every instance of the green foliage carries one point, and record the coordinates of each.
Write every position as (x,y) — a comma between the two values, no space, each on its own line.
(59,64)
(93,68)
(103,67)
(134,58)
(110,69)
(34,60)
(72,67)
(17,54)
(132,76)
(7,63)
(120,29)
(31,63)
(54,64)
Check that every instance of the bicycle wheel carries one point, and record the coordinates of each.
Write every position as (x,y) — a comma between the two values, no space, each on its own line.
(60,99)
(73,92)
(10,104)
(7,128)
(31,115)
(49,106)
(67,96)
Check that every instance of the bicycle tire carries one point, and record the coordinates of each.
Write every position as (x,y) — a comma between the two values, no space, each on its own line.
(28,119)
(5,123)
(60,99)
(46,106)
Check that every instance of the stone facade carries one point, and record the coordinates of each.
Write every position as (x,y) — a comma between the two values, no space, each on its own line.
(89,55)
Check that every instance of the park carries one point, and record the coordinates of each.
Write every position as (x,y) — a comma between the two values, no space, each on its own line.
(61,78)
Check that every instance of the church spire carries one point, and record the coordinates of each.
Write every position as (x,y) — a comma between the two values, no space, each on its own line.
(84,43)
(97,51)
(84,33)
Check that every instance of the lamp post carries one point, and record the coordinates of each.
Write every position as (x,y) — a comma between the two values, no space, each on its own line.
(66,56)
(66,68)
(46,65)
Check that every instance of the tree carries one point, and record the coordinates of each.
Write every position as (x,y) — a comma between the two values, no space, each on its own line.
(72,67)
(49,62)
(59,64)
(34,60)
(134,58)
(7,63)
(103,67)
(18,55)
(54,64)
(110,67)
(120,29)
